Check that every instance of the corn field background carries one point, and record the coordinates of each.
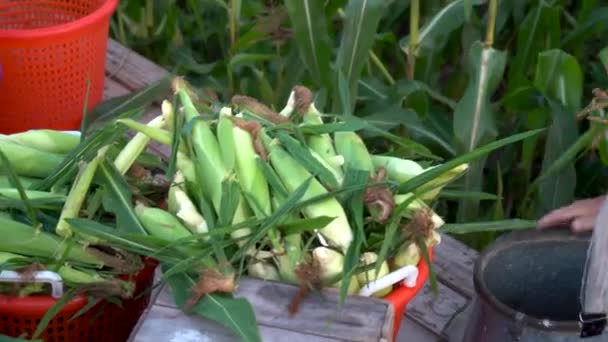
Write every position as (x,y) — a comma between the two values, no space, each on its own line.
(451,76)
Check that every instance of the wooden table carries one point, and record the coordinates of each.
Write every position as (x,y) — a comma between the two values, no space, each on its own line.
(427,318)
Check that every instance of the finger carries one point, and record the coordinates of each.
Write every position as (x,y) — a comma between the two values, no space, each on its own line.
(587,207)
(583,223)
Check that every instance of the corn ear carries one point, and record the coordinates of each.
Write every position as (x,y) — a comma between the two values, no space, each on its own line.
(181,206)
(338,232)
(435,186)
(160,223)
(30,162)
(397,169)
(369,258)
(407,255)
(418,204)
(263,270)
(22,239)
(356,156)
(331,266)
(78,193)
(45,140)
(137,145)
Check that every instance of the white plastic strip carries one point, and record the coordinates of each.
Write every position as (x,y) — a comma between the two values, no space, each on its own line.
(49,277)
(408,275)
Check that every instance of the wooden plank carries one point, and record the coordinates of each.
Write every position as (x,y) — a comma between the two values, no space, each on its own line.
(114,89)
(432,312)
(454,263)
(129,68)
(412,331)
(171,325)
(360,319)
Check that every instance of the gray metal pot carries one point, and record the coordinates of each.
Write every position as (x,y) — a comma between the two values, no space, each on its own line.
(528,289)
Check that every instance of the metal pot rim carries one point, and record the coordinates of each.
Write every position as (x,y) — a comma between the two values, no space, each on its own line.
(559,234)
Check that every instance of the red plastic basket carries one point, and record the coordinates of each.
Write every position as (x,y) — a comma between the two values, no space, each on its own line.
(402,295)
(48,51)
(104,322)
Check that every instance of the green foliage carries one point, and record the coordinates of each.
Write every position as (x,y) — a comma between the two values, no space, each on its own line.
(536,68)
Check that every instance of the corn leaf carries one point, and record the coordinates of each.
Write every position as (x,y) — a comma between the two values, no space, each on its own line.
(490,226)
(229,201)
(118,199)
(302,155)
(429,175)
(271,221)
(85,151)
(54,310)
(132,103)
(235,314)
(541,24)
(308,21)
(353,204)
(358,36)
(178,121)
(305,225)
(439,27)
(457,194)
(560,79)
(15,182)
(599,16)
(474,118)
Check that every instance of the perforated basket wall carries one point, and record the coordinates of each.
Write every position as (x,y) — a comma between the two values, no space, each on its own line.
(103,323)
(49,49)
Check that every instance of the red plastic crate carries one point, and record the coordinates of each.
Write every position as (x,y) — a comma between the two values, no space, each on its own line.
(103,323)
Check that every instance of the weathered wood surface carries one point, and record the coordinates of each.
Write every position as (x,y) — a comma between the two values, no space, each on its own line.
(427,318)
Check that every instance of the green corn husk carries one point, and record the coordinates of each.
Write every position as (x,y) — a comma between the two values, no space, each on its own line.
(400,170)
(338,232)
(78,193)
(13,193)
(356,156)
(418,204)
(30,162)
(160,223)
(25,240)
(45,140)
(26,182)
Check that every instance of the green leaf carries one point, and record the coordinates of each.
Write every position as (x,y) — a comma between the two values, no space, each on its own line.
(306,225)
(474,117)
(302,154)
(559,77)
(599,16)
(491,226)
(249,58)
(358,35)
(234,313)
(558,190)
(569,156)
(15,182)
(354,209)
(604,58)
(429,175)
(539,31)
(119,198)
(439,27)
(114,107)
(456,194)
(310,29)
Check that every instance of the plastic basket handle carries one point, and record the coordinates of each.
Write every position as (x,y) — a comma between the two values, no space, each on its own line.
(49,277)
(407,274)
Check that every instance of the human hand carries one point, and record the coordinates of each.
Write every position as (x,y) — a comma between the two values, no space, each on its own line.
(580,215)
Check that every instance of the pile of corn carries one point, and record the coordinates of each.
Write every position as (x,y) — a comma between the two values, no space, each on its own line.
(287,194)
(268,156)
